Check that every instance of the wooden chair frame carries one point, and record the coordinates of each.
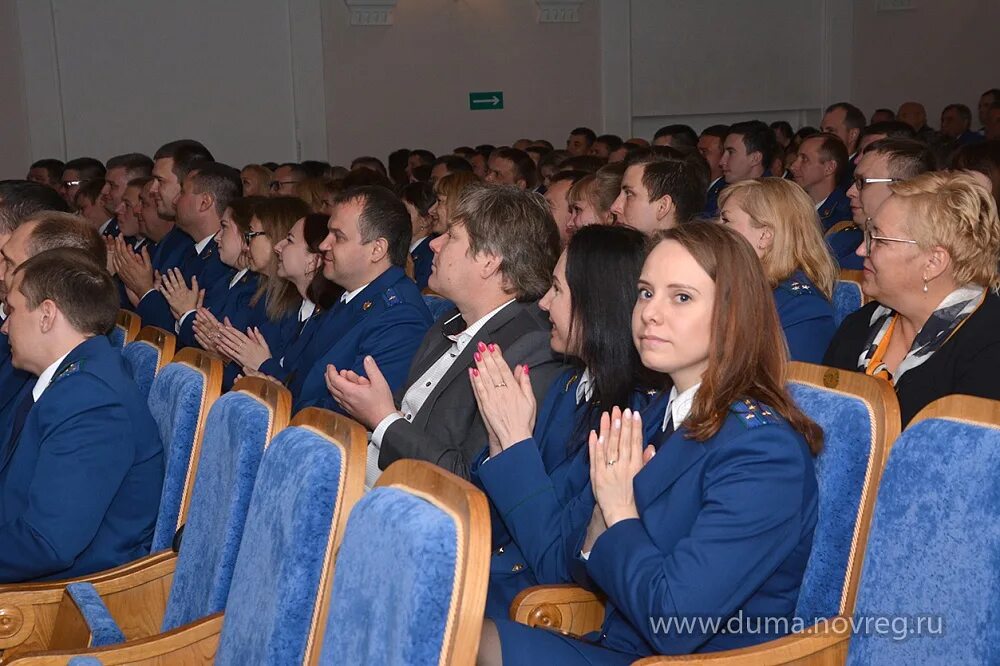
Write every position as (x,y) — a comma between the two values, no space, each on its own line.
(163,342)
(130,323)
(197,643)
(472,515)
(577,611)
(42,616)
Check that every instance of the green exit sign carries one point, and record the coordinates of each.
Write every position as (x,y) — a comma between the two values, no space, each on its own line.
(485,101)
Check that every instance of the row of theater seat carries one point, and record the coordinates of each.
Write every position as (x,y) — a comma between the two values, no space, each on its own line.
(904,535)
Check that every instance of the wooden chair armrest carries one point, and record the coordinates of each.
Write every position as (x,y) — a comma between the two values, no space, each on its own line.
(821,645)
(194,643)
(34,616)
(566,608)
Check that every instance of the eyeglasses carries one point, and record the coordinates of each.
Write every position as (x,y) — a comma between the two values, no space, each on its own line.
(276,185)
(71,183)
(869,237)
(861,182)
(250,235)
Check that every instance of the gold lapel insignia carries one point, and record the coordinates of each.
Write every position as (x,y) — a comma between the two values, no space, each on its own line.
(366,306)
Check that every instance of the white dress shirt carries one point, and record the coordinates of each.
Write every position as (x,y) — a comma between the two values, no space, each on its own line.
(348,296)
(45,378)
(306,310)
(418,392)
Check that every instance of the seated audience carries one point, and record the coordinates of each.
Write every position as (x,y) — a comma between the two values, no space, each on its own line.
(659,193)
(882,115)
(121,169)
(847,122)
(710,146)
(681,137)
(300,262)
(818,168)
(914,115)
(606,144)
(956,127)
(778,220)
(891,129)
(367,162)
(493,262)
(416,159)
(285,179)
(933,326)
(317,193)
(46,172)
(510,166)
(992,128)
(87,203)
(883,162)
(783,133)
(548,165)
(82,467)
(591,197)
(580,141)
(448,191)
(986,100)
(747,153)
(983,158)
(76,172)
(419,198)
(256,180)
(590,305)
(448,164)
(557,196)
(381,317)
(715,517)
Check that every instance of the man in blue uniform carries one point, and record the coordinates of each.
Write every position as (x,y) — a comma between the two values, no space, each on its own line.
(82,467)
(818,168)
(381,313)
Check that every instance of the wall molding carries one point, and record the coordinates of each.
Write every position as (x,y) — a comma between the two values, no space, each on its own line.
(371,12)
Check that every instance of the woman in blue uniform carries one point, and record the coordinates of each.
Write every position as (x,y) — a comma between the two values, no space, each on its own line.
(418,198)
(590,306)
(711,521)
(779,220)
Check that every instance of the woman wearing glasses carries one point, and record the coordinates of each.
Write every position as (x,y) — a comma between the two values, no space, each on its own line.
(930,266)
(779,220)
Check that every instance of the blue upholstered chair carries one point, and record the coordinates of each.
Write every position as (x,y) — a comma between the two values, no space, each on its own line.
(145,356)
(180,398)
(847,295)
(172,589)
(934,547)
(410,581)
(311,476)
(126,328)
(438,305)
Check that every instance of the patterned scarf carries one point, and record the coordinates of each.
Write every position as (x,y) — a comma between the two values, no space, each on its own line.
(949,315)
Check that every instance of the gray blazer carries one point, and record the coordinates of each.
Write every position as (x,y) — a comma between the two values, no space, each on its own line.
(448,430)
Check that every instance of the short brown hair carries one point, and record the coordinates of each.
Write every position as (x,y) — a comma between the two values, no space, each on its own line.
(81,288)
(65,230)
(517,227)
(740,366)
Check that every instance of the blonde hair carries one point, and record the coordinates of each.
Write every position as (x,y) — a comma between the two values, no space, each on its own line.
(600,188)
(312,191)
(785,208)
(954,211)
(263,176)
(452,186)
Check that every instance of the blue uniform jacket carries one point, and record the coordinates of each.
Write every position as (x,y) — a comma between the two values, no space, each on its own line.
(208,268)
(712,198)
(12,386)
(540,497)
(423,256)
(223,301)
(80,487)
(725,527)
(387,321)
(124,303)
(283,366)
(807,318)
(843,245)
(836,208)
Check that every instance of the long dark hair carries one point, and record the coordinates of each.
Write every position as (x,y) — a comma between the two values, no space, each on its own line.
(320,291)
(603,264)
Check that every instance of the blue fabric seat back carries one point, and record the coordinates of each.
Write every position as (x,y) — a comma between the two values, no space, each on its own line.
(841,469)
(934,550)
(235,437)
(438,305)
(847,299)
(142,358)
(272,604)
(117,337)
(175,399)
(394,583)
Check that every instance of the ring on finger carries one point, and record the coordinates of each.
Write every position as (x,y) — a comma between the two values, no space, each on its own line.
(611,462)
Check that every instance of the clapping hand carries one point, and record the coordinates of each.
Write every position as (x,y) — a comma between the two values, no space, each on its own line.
(367,399)
(506,401)
(180,297)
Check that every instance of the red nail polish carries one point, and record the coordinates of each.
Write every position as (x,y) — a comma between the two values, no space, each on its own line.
(481,347)
(525,369)
(475,373)
(477,356)
(493,347)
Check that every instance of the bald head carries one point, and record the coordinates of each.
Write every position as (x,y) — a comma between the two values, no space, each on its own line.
(913,114)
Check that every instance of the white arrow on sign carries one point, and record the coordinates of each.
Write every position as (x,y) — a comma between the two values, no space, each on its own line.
(492,101)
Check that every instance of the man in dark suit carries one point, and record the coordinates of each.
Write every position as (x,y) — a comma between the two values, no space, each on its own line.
(494,261)
(82,468)
(381,314)
(202,199)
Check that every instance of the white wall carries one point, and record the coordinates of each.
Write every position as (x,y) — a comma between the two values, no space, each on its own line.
(720,61)
(408,84)
(937,53)
(111,76)
(15,149)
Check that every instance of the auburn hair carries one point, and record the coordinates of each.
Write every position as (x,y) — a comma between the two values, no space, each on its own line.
(748,354)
